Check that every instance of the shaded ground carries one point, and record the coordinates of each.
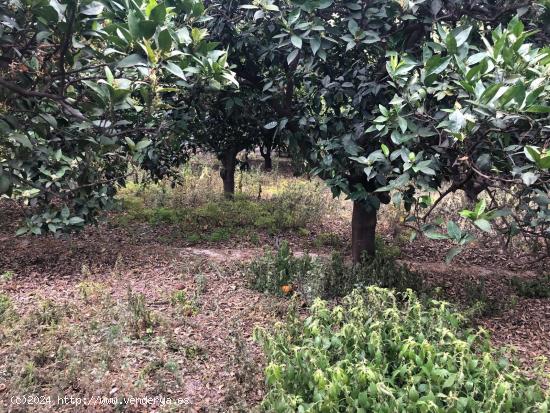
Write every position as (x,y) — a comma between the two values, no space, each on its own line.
(205,355)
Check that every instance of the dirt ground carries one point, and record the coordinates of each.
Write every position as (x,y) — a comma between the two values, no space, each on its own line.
(219,368)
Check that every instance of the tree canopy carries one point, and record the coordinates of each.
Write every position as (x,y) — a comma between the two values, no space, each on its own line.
(89,88)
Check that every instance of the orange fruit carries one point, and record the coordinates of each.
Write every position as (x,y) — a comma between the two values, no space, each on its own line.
(286,289)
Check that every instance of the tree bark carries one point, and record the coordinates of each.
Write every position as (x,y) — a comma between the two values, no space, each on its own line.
(268,164)
(227,173)
(363,229)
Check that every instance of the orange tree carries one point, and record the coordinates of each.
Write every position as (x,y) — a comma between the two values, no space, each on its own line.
(394,100)
(89,89)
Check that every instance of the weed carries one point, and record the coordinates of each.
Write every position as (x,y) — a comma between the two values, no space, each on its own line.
(200,285)
(182,303)
(193,238)
(47,314)
(91,291)
(271,272)
(7,276)
(328,239)
(292,205)
(321,278)
(244,368)
(482,304)
(220,234)
(118,267)
(142,319)
(29,376)
(192,351)
(535,288)
(6,308)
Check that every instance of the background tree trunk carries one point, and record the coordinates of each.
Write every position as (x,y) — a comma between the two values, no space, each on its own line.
(363,229)
(268,164)
(265,151)
(227,173)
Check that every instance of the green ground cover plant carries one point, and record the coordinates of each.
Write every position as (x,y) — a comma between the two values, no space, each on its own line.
(381,351)
(287,205)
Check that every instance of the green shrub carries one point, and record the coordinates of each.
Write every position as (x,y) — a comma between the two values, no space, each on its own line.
(535,288)
(383,352)
(382,270)
(329,278)
(272,271)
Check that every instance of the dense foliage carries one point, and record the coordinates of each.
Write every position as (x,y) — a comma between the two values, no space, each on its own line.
(412,98)
(383,352)
(283,273)
(89,88)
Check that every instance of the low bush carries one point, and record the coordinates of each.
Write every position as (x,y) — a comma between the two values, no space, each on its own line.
(317,277)
(385,352)
(273,271)
(538,287)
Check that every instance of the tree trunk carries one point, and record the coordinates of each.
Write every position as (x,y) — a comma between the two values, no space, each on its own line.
(227,173)
(363,229)
(268,164)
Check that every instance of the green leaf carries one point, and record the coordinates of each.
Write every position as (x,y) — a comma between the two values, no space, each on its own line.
(490,93)
(437,64)
(271,125)
(109,75)
(483,224)
(296,41)
(21,231)
(147,28)
(174,69)
(453,252)
(23,140)
(294,16)
(158,14)
(402,124)
(165,40)
(315,44)
(197,34)
(76,221)
(480,208)
(433,234)
(292,56)
(5,183)
(143,144)
(134,18)
(538,109)
(457,121)
(132,60)
(529,178)
(454,230)
(462,35)
(532,153)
